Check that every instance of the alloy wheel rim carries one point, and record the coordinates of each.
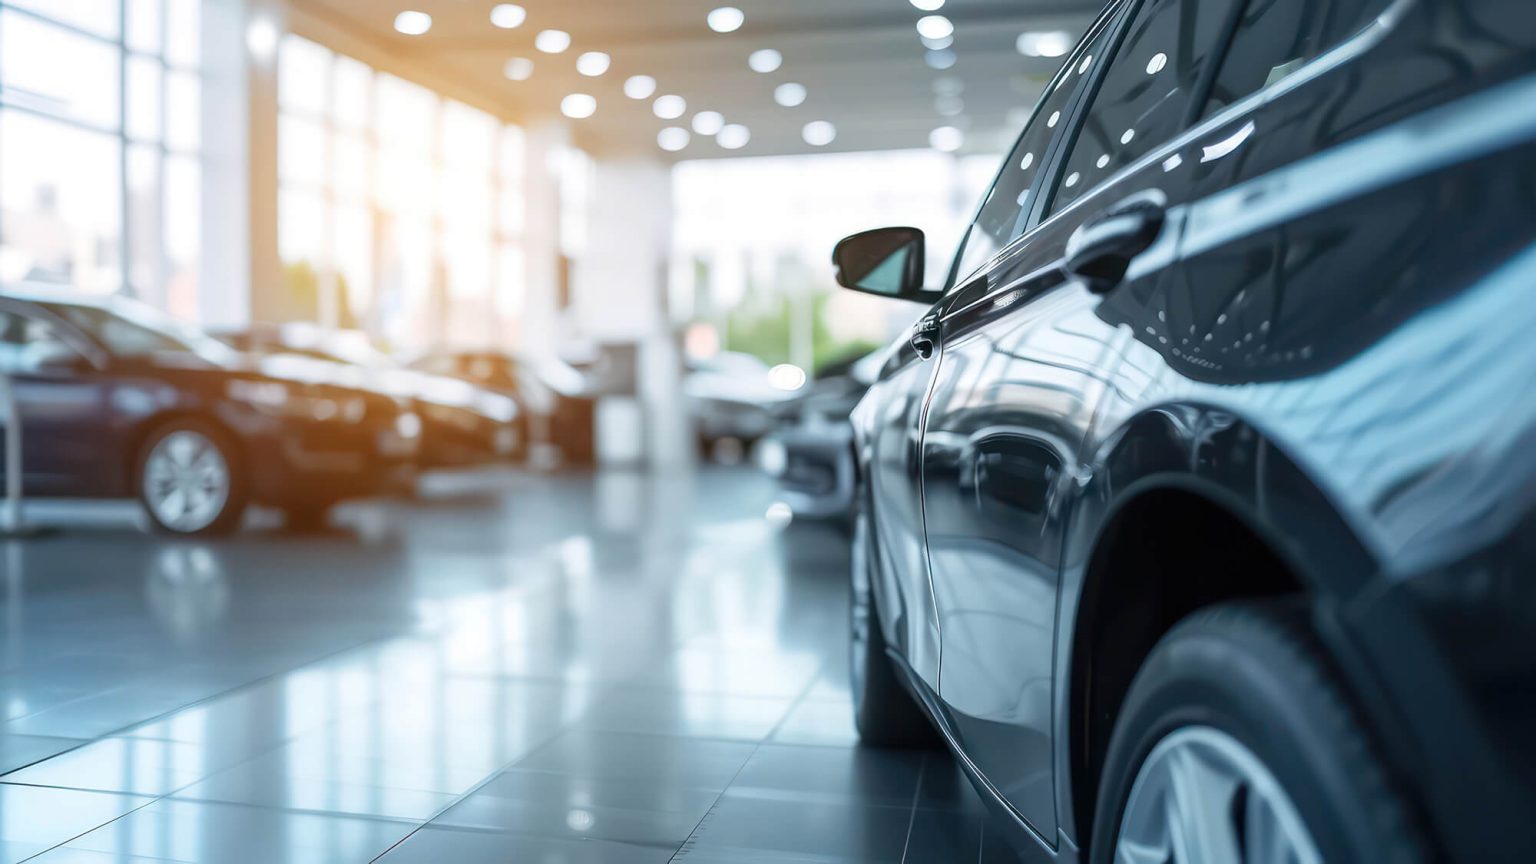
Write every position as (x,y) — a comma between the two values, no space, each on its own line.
(186,481)
(1202,797)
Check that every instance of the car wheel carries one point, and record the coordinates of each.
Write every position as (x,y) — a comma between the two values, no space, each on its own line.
(885,714)
(190,481)
(1237,743)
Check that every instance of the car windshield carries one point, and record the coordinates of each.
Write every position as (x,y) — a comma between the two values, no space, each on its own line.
(129,330)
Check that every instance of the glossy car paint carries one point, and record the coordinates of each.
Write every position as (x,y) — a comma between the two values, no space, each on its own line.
(83,425)
(1331,341)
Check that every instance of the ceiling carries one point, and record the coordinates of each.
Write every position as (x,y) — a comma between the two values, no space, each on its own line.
(861,61)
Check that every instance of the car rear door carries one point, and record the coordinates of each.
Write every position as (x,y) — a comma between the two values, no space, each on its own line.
(1026,361)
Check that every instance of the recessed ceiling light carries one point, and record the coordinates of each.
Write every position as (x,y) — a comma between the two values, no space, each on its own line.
(940,59)
(508,16)
(726,19)
(593,63)
(789,95)
(734,136)
(765,61)
(639,86)
(708,122)
(578,106)
(934,27)
(1050,43)
(670,107)
(518,69)
(413,23)
(672,138)
(947,139)
(552,41)
(929,5)
(819,133)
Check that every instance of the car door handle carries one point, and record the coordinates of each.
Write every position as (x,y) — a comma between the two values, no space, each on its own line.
(1100,251)
(925,336)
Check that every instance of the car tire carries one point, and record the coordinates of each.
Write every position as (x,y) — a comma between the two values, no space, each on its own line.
(885,713)
(200,463)
(1238,708)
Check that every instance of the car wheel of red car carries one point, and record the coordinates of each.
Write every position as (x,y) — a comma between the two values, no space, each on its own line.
(190,480)
(1237,742)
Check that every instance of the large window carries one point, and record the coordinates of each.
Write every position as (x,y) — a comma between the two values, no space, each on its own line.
(100,141)
(400,212)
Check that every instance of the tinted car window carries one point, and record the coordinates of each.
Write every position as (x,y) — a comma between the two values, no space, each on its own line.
(1277,37)
(1147,91)
(1001,218)
(28,344)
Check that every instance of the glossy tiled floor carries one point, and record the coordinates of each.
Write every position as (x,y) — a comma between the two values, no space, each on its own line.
(519,669)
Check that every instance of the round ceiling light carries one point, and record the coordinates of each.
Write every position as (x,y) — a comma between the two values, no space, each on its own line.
(819,133)
(518,69)
(508,16)
(413,23)
(552,41)
(733,136)
(929,5)
(789,95)
(578,106)
(708,122)
(935,27)
(1050,43)
(640,87)
(670,107)
(765,61)
(946,139)
(726,19)
(593,63)
(672,138)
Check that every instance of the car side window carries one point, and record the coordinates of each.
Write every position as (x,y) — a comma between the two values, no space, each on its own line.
(29,344)
(1147,91)
(1274,38)
(1002,215)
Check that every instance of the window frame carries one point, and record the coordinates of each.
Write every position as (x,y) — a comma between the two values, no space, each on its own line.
(1111,21)
(1194,126)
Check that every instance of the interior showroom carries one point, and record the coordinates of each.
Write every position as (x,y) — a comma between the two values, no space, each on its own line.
(785,432)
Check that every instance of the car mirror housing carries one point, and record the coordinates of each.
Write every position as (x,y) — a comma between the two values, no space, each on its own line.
(885,262)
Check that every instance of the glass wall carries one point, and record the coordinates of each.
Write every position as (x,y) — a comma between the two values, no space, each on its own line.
(100,142)
(400,212)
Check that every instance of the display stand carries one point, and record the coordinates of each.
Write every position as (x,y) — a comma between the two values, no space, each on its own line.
(12,524)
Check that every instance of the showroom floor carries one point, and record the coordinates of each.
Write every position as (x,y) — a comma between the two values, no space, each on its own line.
(579,668)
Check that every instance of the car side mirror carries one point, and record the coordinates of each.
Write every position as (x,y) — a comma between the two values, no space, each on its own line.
(886,262)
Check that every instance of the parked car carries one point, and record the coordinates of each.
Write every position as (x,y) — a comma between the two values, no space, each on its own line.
(1210,470)
(732,398)
(462,425)
(119,401)
(557,402)
(810,452)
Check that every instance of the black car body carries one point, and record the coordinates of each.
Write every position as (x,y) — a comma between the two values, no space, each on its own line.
(1247,318)
(97,380)
(557,402)
(462,425)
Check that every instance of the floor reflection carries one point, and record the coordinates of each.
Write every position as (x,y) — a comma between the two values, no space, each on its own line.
(615,668)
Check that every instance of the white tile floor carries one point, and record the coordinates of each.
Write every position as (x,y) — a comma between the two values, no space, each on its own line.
(611,668)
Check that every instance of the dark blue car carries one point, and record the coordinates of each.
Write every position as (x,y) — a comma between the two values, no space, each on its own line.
(1197,513)
(118,401)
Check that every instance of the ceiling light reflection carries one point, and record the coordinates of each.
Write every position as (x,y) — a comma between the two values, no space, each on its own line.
(578,106)
(708,122)
(935,27)
(518,69)
(928,5)
(673,138)
(946,139)
(1049,43)
(734,136)
(670,107)
(940,60)
(819,133)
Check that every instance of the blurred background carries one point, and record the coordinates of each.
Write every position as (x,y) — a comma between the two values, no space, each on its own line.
(592,182)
